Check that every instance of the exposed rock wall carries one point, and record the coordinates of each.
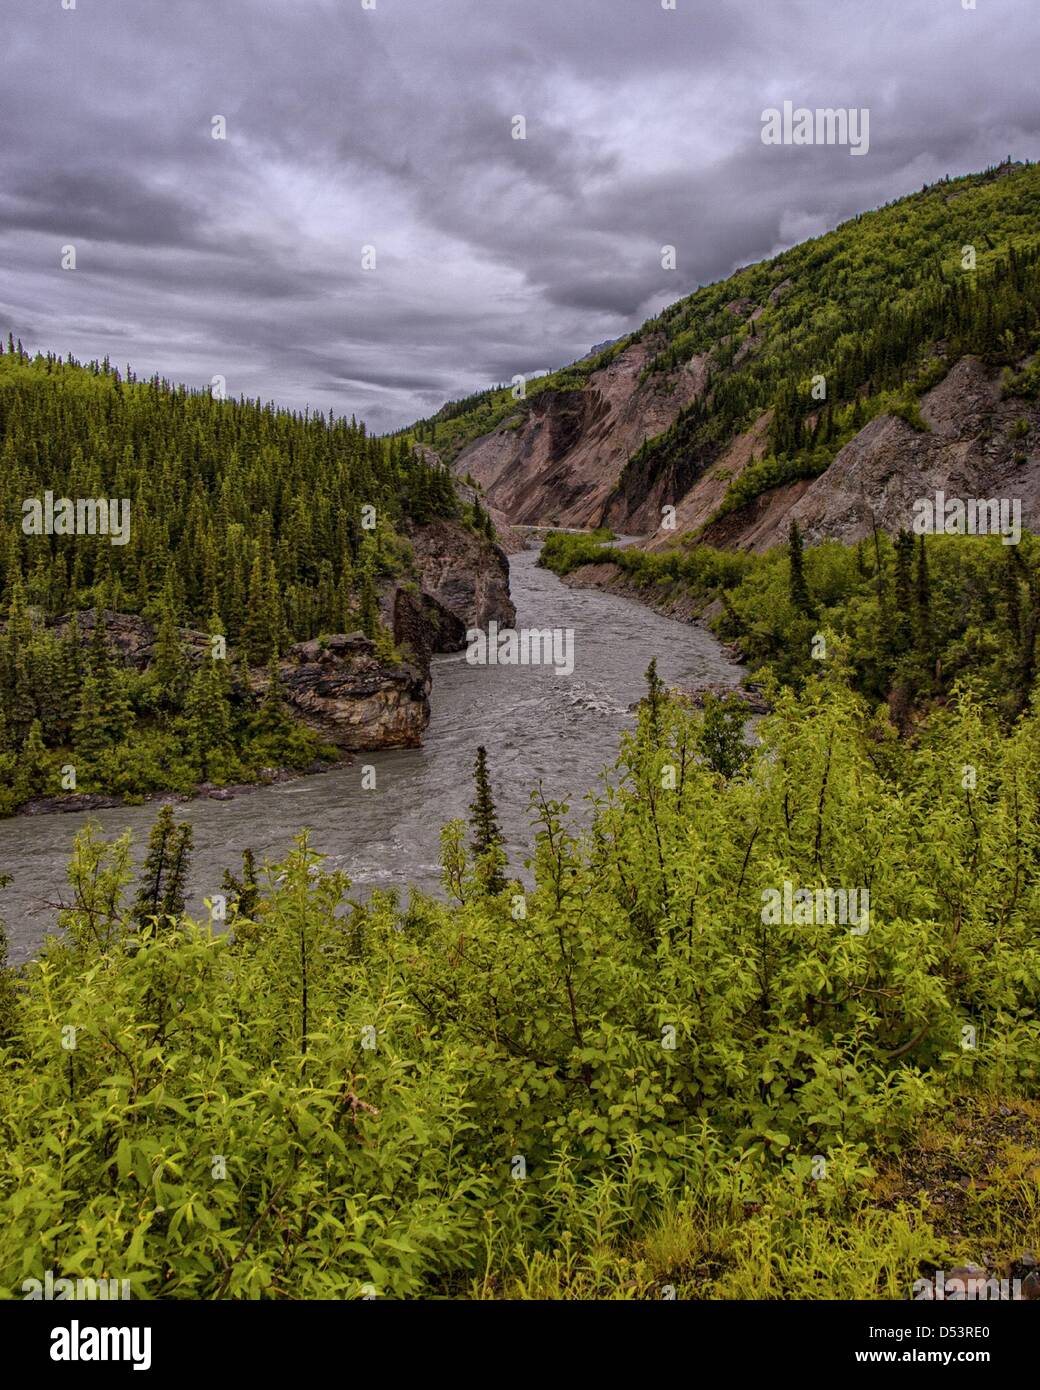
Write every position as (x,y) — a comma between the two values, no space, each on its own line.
(353,698)
(558,463)
(464,574)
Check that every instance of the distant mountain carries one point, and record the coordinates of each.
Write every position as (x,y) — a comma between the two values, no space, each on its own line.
(836,382)
(600,347)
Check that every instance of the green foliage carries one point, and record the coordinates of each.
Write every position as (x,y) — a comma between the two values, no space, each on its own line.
(446,1099)
(243,894)
(8,985)
(1024,384)
(487,836)
(722,744)
(165,873)
(798,588)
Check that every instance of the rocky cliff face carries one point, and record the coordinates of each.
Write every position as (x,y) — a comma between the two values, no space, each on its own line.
(564,465)
(352,697)
(673,415)
(559,464)
(465,575)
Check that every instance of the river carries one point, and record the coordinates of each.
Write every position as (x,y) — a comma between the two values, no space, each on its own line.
(535,723)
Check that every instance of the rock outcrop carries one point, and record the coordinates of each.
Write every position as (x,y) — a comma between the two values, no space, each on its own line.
(464,574)
(128,636)
(352,697)
(358,700)
(558,463)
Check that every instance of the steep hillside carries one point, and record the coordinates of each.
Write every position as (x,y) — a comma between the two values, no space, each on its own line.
(831,379)
(558,460)
(980,439)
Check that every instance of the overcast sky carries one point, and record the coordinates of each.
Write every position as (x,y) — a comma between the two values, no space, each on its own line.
(350,127)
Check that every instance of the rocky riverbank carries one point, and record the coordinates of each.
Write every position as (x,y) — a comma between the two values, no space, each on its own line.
(612,579)
(669,600)
(73,802)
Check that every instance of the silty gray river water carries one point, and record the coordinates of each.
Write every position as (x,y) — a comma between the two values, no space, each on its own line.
(536,724)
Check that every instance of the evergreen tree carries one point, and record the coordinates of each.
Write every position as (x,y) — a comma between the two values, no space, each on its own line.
(1012,595)
(33,763)
(799,588)
(168,664)
(923,598)
(243,893)
(8,983)
(163,882)
(655,696)
(272,717)
(175,887)
(369,605)
(257,638)
(207,716)
(113,710)
(904,589)
(88,732)
(487,837)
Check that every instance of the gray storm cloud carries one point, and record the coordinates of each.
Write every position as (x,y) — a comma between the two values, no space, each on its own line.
(391,128)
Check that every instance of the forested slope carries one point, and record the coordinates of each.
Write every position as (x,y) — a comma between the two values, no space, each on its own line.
(243,522)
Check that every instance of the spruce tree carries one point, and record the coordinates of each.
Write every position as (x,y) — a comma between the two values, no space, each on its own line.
(32,764)
(164,877)
(9,991)
(255,641)
(21,706)
(904,588)
(244,892)
(487,837)
(272,718)
(262,632)
(113,705)
(654,700)
(69,675)
(152,884)
(168,665)
(369,604)
(798,587)
(89,740)
(923,599)
(1012,596)
(207,716)
(175,888)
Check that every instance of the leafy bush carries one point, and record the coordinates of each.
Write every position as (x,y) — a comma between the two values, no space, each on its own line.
(439,1098)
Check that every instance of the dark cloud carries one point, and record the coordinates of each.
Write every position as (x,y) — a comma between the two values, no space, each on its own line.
(392,128)
(107,205)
